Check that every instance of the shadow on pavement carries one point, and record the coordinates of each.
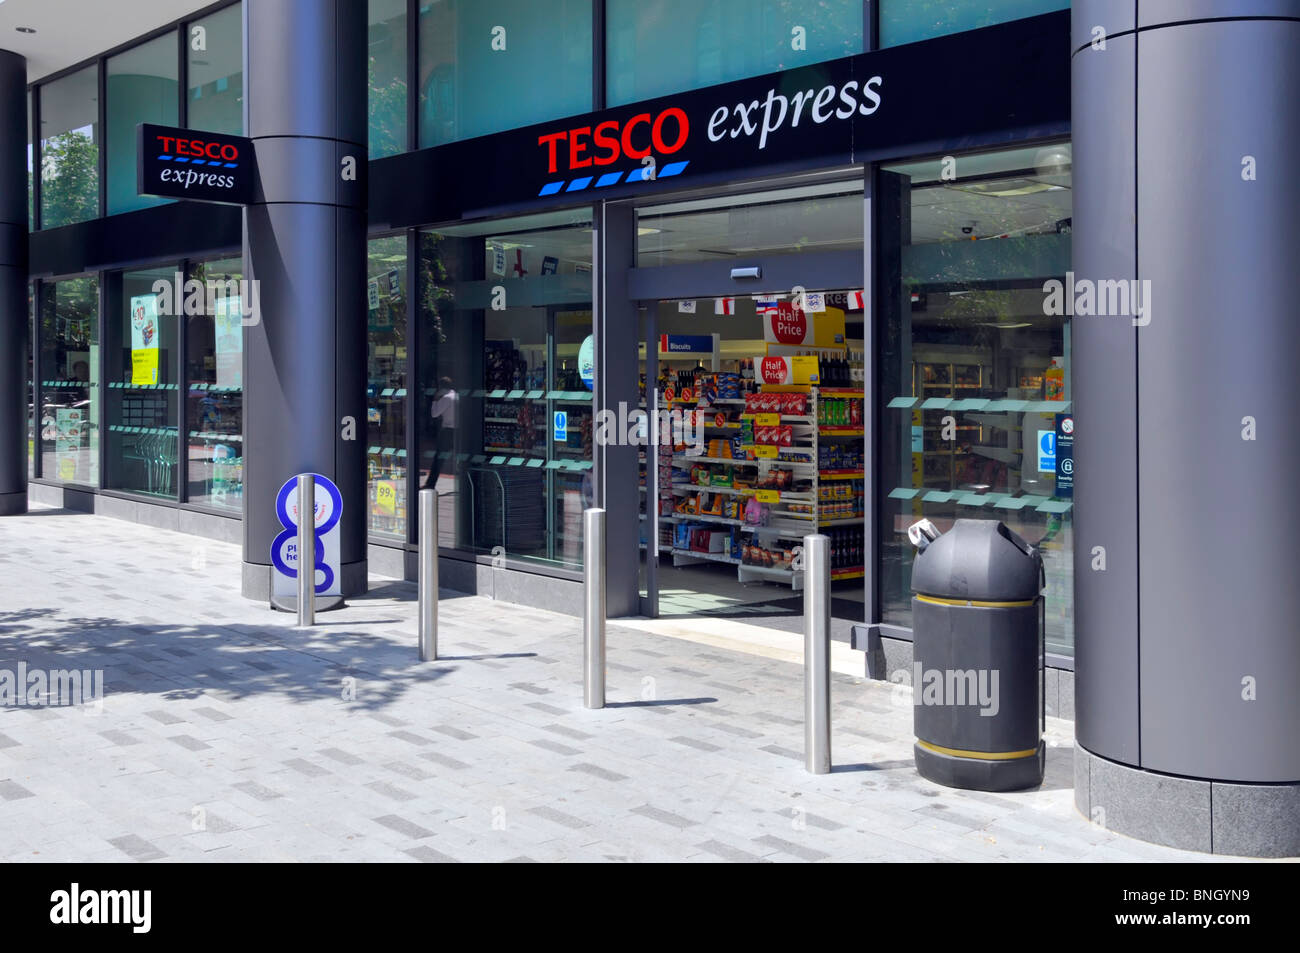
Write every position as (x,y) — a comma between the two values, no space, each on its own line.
(177,661)
(662,701)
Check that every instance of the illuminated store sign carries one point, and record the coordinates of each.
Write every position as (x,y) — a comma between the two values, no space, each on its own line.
(918,99)
(199,166)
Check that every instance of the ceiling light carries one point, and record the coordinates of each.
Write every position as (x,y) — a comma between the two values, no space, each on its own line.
(24,29)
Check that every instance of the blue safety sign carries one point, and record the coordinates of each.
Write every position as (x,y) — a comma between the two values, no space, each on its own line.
(1047,451)
(561,426)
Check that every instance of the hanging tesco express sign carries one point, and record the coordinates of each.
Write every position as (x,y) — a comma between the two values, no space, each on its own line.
(189,164)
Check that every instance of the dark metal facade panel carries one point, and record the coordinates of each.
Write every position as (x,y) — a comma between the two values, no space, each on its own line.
(1155,13)
(1220,641)
(1105,392)
(1113,16)
(14,325)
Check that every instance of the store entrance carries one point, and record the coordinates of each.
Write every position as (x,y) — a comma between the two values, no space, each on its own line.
(755,424)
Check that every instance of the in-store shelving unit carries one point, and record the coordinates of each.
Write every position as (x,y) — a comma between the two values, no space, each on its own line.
(817,496)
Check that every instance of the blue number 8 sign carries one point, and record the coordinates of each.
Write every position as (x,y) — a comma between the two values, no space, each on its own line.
(327,513)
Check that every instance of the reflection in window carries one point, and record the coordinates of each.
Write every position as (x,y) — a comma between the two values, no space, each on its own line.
(386,364)
(140,389)
(656,47)
(214,401)
(69,378)
(907,21)
(31,191)
(142,87)
(31,368)
(70,149)
(493,377)
(387,57)
(215,50)
(817,218)
(975,373)
(490,65)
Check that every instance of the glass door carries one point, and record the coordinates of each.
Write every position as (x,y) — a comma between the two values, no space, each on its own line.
(751,325)
(755,438)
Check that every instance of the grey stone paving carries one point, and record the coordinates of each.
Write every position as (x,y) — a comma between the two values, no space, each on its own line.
(228,734)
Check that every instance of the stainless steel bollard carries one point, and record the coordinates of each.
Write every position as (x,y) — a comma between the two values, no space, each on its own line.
(593,615)
(306,549)
(428,612)
(817,652)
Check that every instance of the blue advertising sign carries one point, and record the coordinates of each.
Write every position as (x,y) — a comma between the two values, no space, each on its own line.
(284,548)
(686,343)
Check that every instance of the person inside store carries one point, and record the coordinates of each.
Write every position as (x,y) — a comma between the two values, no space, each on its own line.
(443,412)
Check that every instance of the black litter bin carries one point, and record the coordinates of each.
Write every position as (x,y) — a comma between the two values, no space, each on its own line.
(977,657)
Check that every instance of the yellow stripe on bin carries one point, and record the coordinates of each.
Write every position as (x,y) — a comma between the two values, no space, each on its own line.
(935,600)
(978,755)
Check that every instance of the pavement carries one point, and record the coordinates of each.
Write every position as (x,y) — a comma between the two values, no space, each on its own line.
(225,733)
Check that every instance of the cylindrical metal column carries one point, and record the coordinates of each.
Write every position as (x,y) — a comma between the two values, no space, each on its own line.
(306,549)
(593,614)
(428,595)
(304,244)
(817,653)
(13,283)
(1186,215)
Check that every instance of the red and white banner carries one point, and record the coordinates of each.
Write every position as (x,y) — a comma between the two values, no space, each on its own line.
(724,306)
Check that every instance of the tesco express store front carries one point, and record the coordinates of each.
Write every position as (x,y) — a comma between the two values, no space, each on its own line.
(827,281)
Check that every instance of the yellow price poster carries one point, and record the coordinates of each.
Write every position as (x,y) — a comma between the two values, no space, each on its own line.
(144,340)
(385,498)
(767,420)
(765,451)
(768,496)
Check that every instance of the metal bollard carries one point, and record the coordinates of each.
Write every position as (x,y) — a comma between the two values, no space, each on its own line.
(593,615)
(428,612)
(306,549)
(817,652)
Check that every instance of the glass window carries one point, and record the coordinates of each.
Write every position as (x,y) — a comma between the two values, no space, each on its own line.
(214,372)
(386,299)
(31,192)
(387,55)
(70,149)
(506,310)
(141,85)
(140,391)
(907,21)
(816,218)
(656,47)
(214,46)
(490,65)
(27,398)
(974,366)
(69,369)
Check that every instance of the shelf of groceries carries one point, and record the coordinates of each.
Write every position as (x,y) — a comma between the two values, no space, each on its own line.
(756,466)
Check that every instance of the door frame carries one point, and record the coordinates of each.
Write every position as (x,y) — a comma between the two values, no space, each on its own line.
(778,273)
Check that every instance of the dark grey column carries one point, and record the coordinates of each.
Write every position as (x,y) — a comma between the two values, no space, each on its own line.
(1188,656)
(304,241)
(617,336)
(13,283)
